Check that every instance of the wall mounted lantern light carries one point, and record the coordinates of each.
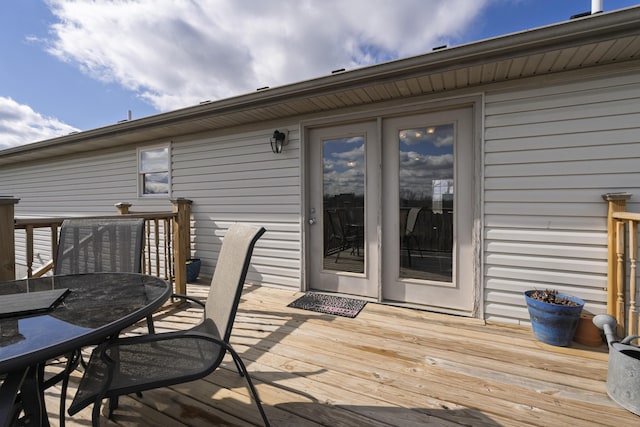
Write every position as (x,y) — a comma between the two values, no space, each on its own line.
(278,140)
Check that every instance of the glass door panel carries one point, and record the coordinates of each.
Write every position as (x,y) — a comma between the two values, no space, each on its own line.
(426,195)
(343,202)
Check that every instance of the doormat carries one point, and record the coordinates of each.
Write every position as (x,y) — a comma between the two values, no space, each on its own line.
(329,304)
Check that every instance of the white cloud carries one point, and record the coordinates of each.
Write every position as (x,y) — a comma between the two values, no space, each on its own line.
(20,125)
(175,53)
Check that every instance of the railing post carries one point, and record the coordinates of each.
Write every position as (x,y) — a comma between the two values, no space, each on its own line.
(617,203)
(123,208)
(7,238)
(181,242)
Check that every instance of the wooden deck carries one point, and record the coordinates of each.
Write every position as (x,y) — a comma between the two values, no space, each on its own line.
(389,366)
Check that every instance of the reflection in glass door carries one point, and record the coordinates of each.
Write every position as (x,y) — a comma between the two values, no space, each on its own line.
(343,199)
(426,195)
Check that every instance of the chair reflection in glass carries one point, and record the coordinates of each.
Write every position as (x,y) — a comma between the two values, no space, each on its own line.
(341,236)
(134,364)
(410,236)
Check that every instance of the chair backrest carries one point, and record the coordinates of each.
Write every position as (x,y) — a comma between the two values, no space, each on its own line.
(229,277)
(412,217)
(335,224)
(92,245)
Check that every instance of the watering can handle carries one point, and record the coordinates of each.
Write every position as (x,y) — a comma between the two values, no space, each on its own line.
(608,324)
(630,338)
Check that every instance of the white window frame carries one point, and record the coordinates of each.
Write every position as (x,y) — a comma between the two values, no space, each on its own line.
(141,150)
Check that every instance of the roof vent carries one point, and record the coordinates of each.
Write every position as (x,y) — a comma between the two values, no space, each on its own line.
(596,6)
(337,71)
(262,88)
(444,46)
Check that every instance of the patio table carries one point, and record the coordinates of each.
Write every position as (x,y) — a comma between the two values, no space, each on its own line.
(97,306)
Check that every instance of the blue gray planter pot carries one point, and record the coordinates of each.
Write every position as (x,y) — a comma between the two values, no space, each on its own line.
(193,269)
(554,324)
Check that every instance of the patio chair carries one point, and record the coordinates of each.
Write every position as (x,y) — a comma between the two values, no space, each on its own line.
(95,245)
(134,364)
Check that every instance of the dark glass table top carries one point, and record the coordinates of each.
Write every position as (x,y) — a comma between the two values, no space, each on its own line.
(98,305)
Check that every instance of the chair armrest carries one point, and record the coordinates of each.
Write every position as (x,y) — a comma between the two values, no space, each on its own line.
(164,336)
(138,339)
(188,298)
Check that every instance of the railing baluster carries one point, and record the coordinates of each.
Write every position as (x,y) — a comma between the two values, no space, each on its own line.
(157,239)
(169,247)
(620,311)
(54,243)
(29,231)
(148,245)
(633,254)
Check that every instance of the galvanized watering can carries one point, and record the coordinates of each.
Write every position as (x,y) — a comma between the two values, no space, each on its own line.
(623,375)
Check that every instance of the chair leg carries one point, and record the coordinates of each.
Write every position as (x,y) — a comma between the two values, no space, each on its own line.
(238,368)
(10,399)
(253,390)
(113,405)
(72,362)
(150,325)
(95,414)
(113,401)
(32,395)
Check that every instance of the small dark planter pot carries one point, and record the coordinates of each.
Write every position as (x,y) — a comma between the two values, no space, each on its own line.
(554,324)
(193,269)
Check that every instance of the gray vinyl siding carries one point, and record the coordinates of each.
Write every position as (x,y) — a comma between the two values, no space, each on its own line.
(68,186)
(236,178)
(550,153)
(552,146)
(232,178)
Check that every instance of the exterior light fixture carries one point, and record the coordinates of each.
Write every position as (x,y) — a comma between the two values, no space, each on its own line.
(278,140)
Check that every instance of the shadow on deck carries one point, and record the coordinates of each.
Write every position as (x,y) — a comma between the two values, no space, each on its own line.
(389,366)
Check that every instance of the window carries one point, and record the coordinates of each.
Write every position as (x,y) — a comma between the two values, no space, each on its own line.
(153,171)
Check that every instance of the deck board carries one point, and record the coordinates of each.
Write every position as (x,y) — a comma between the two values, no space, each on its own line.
(389,366)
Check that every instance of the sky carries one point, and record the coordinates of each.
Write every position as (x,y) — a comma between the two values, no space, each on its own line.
(75,65)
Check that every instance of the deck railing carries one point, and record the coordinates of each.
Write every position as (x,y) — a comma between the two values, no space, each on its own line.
(622,300)
(166,243)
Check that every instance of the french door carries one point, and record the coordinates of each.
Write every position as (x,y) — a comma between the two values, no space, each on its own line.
(392,210)
(342,211)
(427,210)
